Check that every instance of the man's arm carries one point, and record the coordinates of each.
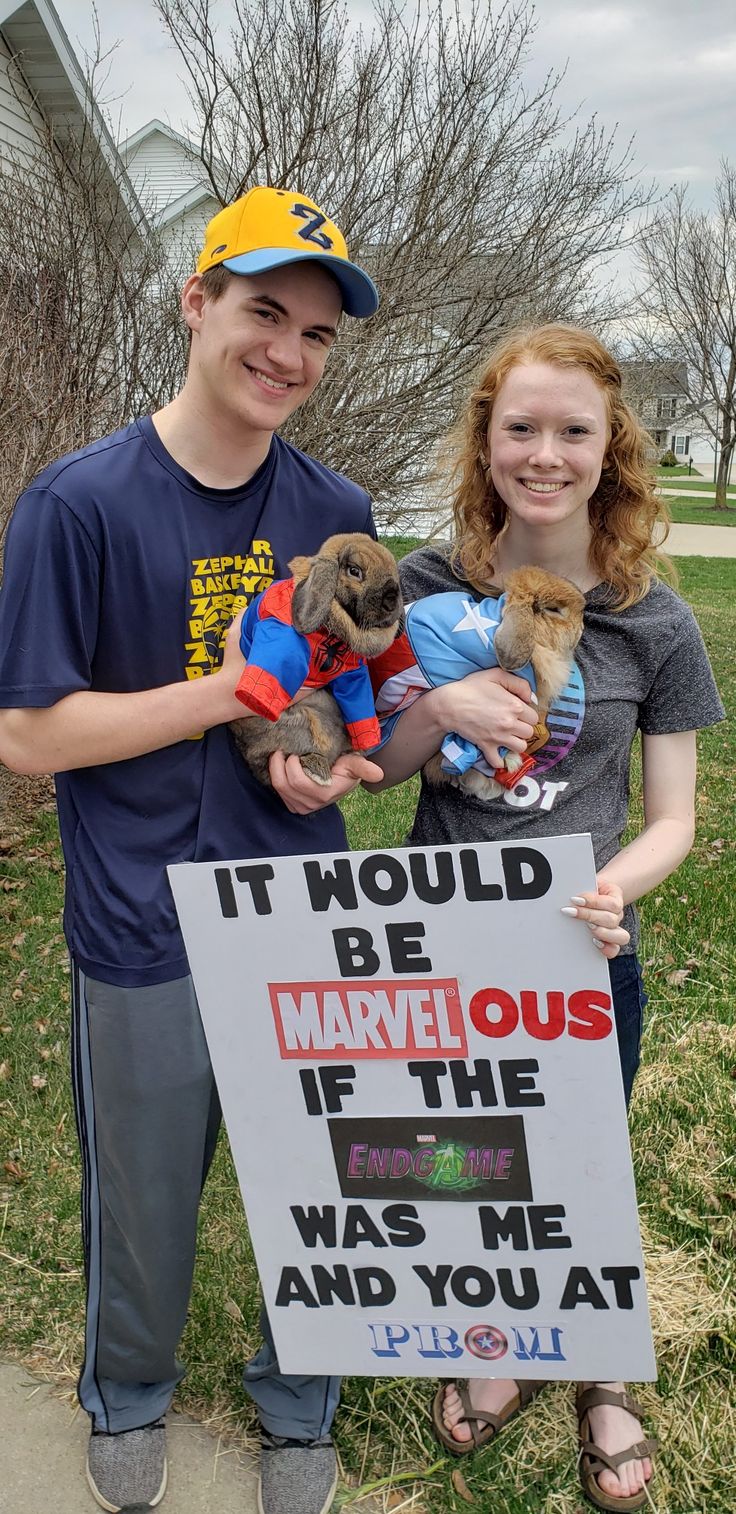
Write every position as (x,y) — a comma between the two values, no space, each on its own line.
(91,727)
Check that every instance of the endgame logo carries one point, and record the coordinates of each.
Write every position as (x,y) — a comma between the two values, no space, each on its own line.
(527,1343)
(481,1157)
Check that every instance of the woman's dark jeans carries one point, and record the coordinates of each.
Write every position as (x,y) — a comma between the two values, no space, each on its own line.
(629,1002)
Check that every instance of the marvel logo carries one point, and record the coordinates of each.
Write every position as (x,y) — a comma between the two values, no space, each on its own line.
(376,1019)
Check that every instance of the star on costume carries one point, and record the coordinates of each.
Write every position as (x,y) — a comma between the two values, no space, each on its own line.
(446,637)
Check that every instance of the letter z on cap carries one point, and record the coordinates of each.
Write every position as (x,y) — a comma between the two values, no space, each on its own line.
(270,228)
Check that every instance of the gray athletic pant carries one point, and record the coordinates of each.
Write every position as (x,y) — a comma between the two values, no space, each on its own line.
(148,1117)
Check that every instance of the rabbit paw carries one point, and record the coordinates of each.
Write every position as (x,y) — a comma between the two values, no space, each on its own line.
(478,785)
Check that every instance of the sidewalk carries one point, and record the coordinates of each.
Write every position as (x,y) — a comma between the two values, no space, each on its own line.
(43,1449)
(681,489)
(43,1445)
(701,541)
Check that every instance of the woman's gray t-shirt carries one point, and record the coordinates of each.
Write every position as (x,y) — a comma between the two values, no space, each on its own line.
(642,668)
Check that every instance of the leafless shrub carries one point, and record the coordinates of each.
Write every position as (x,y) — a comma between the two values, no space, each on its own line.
(89,328)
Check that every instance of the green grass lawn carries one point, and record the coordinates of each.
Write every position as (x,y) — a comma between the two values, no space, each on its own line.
(683,1138)
(694,485)
(695,512)
(679,479)
(678,472)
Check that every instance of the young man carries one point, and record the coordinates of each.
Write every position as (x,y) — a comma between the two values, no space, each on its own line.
(125,565)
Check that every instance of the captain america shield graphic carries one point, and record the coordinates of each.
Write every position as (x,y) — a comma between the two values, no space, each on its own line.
(486,1342)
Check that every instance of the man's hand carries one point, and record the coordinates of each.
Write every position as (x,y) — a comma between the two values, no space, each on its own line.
(233,660)
(303,796)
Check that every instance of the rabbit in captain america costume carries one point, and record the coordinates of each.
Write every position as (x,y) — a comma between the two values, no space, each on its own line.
(532,630)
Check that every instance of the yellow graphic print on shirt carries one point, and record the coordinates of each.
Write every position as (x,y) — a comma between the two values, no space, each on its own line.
(218,589)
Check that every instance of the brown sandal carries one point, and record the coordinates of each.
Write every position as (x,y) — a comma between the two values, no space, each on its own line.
(593,1460)
(484,1426)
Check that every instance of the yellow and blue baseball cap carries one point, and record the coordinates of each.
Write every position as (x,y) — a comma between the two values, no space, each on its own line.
(269,228)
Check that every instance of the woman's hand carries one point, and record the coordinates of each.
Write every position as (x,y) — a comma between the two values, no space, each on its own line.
(602,912)
(493,708)
(303,796)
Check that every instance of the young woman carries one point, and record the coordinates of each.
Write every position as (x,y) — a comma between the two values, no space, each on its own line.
(552,470)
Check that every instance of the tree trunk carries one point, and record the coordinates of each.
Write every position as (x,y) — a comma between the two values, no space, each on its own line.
(728,440)
(724,465)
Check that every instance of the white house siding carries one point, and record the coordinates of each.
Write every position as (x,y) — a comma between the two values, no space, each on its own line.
(161,170)
(19,123)
(184,234)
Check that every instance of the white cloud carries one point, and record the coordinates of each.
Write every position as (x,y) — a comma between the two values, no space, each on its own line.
(570,23)
(721,59)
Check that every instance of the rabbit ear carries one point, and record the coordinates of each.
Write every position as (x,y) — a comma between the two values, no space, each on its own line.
(514,641)
(315,593)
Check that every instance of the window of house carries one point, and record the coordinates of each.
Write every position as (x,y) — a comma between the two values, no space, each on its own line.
(681,446)
(667,407)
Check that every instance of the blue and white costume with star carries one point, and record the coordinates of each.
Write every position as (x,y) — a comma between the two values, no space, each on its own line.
(446,637)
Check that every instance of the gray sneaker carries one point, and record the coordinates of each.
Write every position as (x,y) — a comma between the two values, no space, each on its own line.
(297,1477)
(128,1471)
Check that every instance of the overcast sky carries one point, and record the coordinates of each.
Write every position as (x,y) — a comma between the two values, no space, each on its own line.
(664,70)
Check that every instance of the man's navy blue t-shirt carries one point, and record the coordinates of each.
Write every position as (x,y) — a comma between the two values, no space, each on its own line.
(122,573)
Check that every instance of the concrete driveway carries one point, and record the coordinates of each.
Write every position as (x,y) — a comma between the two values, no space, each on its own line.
(43,1449)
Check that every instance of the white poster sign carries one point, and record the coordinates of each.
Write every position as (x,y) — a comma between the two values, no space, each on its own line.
(417,1061)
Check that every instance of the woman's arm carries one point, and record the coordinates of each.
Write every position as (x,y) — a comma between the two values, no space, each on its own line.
(492,708)
(669,768)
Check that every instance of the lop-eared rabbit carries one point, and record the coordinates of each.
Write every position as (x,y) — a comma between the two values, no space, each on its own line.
(541,624)
(347,606)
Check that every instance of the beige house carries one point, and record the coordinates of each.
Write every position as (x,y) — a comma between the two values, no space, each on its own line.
(658,392)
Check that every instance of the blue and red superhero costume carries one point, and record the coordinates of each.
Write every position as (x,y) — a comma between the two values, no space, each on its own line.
(281,660)
(446,636)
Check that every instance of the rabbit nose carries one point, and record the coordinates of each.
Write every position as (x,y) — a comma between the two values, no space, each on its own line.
(391,596)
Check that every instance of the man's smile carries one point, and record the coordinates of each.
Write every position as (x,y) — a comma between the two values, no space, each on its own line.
(281,385)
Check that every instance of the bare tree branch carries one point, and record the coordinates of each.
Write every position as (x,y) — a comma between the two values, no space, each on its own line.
(458,188)
(687,310)
(90,333)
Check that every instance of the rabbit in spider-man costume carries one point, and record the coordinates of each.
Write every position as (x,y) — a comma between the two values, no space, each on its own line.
(314,632)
